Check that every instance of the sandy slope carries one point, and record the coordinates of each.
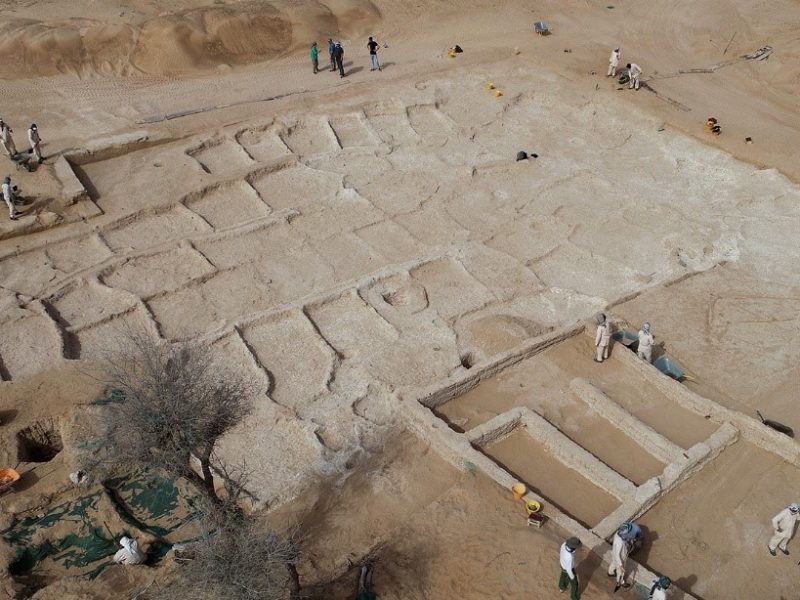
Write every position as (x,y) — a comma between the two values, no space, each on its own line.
(82,38)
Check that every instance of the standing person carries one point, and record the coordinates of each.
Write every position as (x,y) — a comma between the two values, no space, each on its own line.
(340,58)
(646,341)
(784,525)
(567,561)
(634,72)
(660,587)
(35,140)
(129,554)
(602,338)
(613,62)
(332,52)
(620,549)
(314,54)
(373,54)
(8,196)
(7,138)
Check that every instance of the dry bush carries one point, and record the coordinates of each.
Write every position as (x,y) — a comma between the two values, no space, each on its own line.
(176,405)
(239,558)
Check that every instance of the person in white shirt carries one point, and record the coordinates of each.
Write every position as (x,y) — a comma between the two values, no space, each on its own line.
(646,341)
(8,196)
(784,524)
(660,587)
(613,62)
(35,140)
(7,139)
(602,339)
(634,72)
(129,554)
(567,560)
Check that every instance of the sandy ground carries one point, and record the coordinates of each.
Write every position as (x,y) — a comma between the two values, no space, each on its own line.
(432,531)
(338,240)
(709,555)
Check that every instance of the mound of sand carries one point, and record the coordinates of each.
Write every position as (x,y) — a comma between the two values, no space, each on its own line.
(173,43)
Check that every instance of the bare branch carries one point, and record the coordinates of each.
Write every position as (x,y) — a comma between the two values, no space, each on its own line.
(176,404)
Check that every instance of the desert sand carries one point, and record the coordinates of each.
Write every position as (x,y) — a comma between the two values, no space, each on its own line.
(344,243)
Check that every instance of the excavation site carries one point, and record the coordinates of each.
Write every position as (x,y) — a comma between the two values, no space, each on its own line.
(442,312)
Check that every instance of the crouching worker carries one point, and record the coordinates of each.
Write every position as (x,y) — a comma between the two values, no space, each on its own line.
(129,554)
(660,587)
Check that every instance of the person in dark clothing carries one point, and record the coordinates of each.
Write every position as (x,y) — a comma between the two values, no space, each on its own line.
(373,55)
(339,56)
(332,52)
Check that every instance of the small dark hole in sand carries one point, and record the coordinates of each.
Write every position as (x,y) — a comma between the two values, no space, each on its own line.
(39,443)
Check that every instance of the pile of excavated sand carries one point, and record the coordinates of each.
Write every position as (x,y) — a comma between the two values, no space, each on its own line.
(81,38)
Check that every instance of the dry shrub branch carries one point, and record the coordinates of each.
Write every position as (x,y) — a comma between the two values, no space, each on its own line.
(176,405)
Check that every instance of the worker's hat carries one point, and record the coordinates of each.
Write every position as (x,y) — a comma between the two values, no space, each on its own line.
(664,582)
(573,544)
(794,507)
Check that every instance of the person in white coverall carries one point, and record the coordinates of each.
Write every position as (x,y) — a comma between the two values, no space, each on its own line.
(659,589)
(619,556)
(646,341)
(613,63)
(129,554)
(7,139)
(634,72)
(784,524)
(8,196)
(35,140)
(602,338)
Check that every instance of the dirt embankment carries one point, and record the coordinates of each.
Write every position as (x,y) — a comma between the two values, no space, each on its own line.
(170,43)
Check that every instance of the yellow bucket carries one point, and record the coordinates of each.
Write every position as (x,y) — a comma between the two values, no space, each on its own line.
(497,93)
(533,507)
(518,490)
(490,86)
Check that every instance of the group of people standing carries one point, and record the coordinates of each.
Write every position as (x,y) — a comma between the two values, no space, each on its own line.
(336,53)
(627,539)
(11,192)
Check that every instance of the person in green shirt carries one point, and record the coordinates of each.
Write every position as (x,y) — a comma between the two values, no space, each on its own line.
(365,585)
(315,57)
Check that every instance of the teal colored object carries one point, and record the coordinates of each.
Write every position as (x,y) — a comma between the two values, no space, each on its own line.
(625,337)
(669,367)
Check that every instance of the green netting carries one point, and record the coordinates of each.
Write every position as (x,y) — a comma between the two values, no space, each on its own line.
(77,535)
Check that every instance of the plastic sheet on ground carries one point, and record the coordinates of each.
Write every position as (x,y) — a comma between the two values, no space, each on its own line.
(81,536)
(669,367)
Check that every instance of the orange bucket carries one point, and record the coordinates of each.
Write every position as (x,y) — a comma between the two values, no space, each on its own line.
(518,490)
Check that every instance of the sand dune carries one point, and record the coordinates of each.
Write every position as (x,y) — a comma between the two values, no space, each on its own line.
(180,42)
